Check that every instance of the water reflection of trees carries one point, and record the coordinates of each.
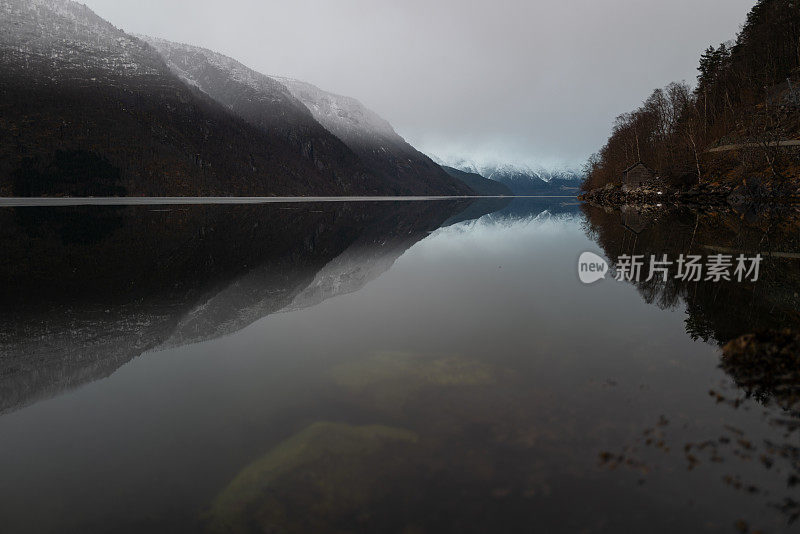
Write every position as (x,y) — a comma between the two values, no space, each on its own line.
(716,311)
(754,321)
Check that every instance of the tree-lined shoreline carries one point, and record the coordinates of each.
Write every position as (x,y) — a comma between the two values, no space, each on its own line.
(735,134)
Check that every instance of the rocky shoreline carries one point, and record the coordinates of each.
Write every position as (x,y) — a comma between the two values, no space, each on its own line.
(709,194)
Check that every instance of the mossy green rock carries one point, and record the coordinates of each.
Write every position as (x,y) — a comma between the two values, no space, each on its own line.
(409,367)
(391,379)
(326,470)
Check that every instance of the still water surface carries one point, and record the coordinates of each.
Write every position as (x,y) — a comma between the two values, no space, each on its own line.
(383,367)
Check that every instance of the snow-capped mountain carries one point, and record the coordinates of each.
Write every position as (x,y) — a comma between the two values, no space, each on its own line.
(493,169)
(345,117)
(198,67)
(522,179)
(69,37)
(370,136)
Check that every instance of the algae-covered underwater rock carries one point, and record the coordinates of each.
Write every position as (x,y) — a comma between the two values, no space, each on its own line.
(311,481)
(390,379)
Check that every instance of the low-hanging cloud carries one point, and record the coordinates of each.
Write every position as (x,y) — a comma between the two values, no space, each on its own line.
(519,80)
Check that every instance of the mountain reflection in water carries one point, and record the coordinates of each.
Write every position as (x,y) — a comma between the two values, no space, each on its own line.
(390,367)
(86,289)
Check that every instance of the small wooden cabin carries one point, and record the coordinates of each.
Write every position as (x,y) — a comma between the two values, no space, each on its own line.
(639,175)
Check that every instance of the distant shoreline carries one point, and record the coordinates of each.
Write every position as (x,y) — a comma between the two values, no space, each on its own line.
(177,201)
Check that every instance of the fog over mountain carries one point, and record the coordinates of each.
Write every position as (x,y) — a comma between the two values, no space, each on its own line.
(525,82)
(331,130)
(370,136)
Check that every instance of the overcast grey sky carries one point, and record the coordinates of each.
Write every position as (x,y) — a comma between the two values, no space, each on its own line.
(516,80)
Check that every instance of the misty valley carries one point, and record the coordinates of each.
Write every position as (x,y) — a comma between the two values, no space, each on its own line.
(366,267)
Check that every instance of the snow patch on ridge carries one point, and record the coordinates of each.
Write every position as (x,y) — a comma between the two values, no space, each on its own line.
(344,116)
(508,172)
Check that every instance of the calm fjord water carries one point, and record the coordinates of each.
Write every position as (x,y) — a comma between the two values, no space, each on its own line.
(382,367)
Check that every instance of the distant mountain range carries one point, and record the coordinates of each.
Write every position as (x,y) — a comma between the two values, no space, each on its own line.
(521,179)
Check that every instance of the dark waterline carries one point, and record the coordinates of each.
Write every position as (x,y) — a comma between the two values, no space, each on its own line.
(143,201)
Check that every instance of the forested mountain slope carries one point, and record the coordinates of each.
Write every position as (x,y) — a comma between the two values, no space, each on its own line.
(86,109)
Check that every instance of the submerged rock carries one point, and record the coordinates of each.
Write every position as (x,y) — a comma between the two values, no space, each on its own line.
(390,379)
(385,366)
(325,472)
